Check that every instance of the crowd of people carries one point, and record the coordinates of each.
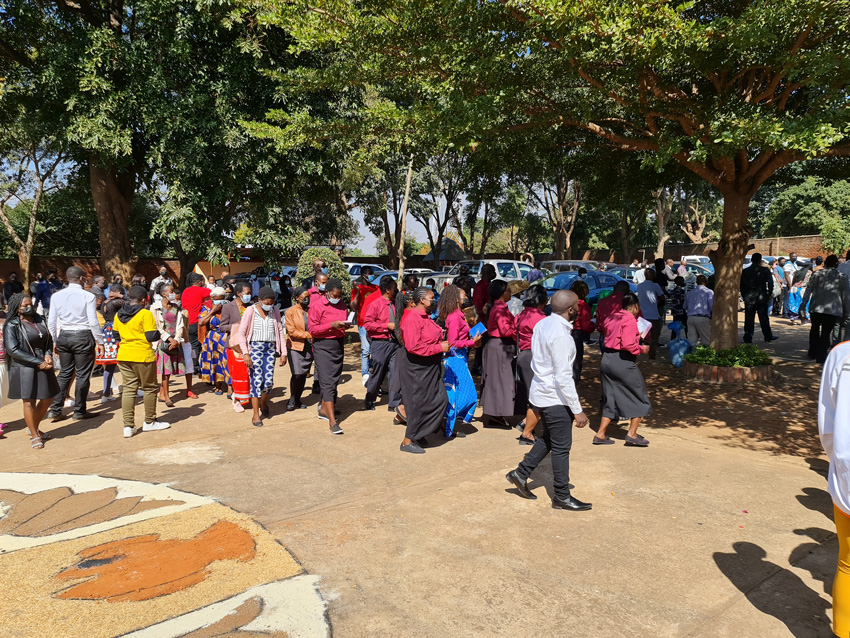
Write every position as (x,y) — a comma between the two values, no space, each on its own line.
(434,358)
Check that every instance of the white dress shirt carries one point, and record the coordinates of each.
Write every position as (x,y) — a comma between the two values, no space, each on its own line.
(552,354)
(71,309)
(834,423)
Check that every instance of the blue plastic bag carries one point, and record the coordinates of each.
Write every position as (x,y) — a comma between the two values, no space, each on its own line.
(678,347)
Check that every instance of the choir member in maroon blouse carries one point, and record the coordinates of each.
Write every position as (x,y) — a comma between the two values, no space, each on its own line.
(463,397)
(534,306)
(327,327)
(379,323)
(498,392)
(422,373)
(582,327)
(623,387)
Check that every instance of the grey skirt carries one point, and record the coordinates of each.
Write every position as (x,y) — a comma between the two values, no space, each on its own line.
(301,360)
(498,378)
(623,388)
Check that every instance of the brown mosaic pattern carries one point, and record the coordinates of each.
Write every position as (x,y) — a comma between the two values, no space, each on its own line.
(231,624)
(60,510)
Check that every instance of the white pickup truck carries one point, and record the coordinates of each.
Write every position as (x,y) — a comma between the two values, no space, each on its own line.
(505,269)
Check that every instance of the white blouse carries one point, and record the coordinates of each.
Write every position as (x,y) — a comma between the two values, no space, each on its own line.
(263,329)
(834,423)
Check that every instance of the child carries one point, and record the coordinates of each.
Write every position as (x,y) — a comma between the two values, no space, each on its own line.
(677,304)
(109,359)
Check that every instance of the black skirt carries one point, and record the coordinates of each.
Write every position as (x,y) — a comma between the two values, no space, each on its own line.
(499,391)
(524,375)
(623,388)
(32,383)
(328,354)
(301,360)
(424,392)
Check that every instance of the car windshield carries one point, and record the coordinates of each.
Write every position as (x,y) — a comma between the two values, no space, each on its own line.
(560,281)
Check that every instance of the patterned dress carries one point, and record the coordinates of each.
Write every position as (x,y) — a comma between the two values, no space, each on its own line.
(170,363)
(213,359)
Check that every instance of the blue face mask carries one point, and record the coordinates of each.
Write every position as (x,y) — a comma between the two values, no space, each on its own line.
(266,307)
(334,301)
(322,287)
(246,298)
(218,302)
(253,277)
(325,270)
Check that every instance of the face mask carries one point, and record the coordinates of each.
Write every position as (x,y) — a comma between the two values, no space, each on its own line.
(162,273)
(218,302)
(321,287)
(325,270)
(172,297)
(29,310)
(429,286)
(286,283)
(246,298)
(466,303)
(334,301)
(432,306)
(266,307)
(305,302)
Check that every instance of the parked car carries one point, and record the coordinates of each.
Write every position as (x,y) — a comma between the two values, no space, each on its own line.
(505,269)
(626,272)
(701,260)
(596,280)
(565,265)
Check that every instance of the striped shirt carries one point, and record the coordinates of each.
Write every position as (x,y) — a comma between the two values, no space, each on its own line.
(262,329)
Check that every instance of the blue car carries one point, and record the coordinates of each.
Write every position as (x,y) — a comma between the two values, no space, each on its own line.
(596,280)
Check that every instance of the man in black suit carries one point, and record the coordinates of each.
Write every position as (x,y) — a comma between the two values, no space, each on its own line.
(757,291)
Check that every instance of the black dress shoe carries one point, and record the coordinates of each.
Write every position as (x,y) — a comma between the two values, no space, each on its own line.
(290,407)
(84,415)
(520,485)
(570,503)
(773,338)
(369,405)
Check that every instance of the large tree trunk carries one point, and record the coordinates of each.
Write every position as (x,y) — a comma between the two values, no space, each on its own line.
(663,198)
(113,193)
(728,260)
(187,260)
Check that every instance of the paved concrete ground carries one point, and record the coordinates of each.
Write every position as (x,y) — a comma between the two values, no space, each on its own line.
(722,527)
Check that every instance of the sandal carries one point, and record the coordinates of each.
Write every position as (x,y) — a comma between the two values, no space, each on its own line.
(191,395)
(606,441)
(37,443)
(258,424)
(218,393)
(238,407)
(44,436)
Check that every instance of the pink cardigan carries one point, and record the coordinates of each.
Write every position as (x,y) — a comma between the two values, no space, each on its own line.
(246,329)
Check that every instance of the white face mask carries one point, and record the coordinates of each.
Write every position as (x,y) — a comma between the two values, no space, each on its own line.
(172,297)
(246,298)
(334,301)
(266,307)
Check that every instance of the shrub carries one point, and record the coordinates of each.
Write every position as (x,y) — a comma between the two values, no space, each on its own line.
(335,267)
(744,356)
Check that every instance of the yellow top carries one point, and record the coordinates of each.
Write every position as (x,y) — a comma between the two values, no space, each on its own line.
(134,345)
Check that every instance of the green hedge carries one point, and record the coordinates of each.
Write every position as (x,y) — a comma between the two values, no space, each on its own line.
(744,356)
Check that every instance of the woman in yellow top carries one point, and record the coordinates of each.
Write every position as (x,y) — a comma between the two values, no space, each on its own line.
(136,329)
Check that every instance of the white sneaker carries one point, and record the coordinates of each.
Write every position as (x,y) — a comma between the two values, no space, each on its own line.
(365,380)
(129,432)
(108,399)
(156,425)
(69,403)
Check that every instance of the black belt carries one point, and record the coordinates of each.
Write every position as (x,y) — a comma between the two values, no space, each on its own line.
(704,316)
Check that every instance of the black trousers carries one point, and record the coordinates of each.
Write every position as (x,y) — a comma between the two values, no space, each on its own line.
(478,354)
(750,313)
(820,335)
(579,337)
(383,366)
(557,438)
(76,354)
(196,345)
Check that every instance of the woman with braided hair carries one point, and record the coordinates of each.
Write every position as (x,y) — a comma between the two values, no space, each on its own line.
(29,355)
(463,397)
(421,374)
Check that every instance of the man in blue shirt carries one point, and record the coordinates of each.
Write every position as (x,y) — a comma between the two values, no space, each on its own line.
(699,304)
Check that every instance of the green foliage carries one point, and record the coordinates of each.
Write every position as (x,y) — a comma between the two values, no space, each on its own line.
(745,355)
(335,267)
(412,246)
(805,208)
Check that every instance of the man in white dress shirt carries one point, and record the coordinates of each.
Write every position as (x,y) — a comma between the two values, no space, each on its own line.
(553,393)
(77,337)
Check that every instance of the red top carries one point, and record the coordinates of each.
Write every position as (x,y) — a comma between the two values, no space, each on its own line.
(457,330)
(501,322)
(192,299)
(364,291)
(525,323)
(378,315)
(481,295)
(321,314)
(621,332)
(607,307)
(583,321)
(421,335)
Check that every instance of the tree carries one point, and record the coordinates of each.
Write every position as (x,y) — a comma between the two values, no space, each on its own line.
(765,84)
(412,246)
(30,168)
(803,209)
